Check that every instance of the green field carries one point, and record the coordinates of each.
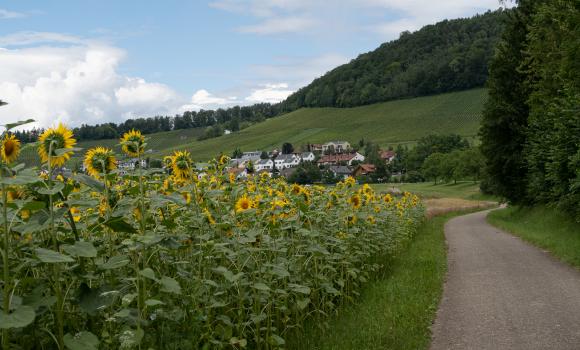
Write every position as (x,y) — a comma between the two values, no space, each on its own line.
(389,123)
(461,189)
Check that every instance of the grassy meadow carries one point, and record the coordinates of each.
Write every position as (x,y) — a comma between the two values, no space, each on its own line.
(468,190)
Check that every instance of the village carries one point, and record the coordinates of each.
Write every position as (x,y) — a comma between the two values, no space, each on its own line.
(336,157)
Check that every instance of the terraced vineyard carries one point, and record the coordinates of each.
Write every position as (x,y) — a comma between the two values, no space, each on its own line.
(389,123)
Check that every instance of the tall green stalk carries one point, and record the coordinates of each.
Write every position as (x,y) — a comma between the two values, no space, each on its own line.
(56,269)
(5,261)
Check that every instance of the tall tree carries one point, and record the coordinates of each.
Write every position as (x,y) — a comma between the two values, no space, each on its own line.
(505,117)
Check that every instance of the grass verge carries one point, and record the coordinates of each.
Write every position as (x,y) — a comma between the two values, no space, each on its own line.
(462,189)
(396,310)
(544,227)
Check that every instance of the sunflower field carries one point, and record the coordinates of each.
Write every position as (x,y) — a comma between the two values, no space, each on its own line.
(179,258)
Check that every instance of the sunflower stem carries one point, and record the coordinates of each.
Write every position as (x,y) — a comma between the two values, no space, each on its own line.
(56,268)
(5,261)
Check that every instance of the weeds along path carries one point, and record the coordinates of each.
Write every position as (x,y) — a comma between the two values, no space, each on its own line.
(502,293)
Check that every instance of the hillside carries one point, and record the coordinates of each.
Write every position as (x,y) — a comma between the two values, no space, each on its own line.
(451,55)
(388,123)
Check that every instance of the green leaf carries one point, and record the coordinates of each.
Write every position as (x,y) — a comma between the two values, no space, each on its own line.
(56,188)
(276,340)
(93,299)
(81,341)
(19,180)
(115,262)
(303,303)
(299,288)
(82,249)
(153,302)
(10,126)
(89,181)
(50,256)
(170,285)
(119,225)
(147,272)
(21,317)
(260,286)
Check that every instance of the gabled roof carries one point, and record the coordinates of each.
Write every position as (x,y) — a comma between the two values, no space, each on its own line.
(340,169)
(367,168)
(285,156)
(388,154)
(264,161)
(334,158)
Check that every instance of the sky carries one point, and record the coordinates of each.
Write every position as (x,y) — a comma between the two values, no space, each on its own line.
(89,62)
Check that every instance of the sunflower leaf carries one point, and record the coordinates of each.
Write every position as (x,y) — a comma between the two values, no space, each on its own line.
(10,126)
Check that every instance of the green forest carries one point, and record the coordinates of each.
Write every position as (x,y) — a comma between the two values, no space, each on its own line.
(531,126)
(451,55)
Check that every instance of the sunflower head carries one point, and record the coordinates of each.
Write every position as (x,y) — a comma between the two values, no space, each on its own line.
(53,139)
(243,204)
(10,148)
(181,164)
(355,201)
(133,143)
(99,160)
(223,159)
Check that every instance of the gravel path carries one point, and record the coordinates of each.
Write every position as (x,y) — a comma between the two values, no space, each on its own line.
(502,293)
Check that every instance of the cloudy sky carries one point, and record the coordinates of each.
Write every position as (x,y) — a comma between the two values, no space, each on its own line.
(109,60)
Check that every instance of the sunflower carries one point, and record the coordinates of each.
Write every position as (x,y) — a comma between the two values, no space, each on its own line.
(53,139)
(181,164)
(243,204)
(351,220)
(99,160)
(224,159)
(133,143)
(10,148)
(76,214)
(209,217)
(355,201)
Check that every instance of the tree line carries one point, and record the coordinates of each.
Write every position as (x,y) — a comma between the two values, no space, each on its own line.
(531,124)
(216,121)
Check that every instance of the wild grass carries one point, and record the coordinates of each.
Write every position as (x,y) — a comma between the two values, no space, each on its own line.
(397,309)
(545,227)
(462,189)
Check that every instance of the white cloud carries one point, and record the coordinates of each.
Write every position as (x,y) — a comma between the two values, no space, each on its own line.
(298,71)
(271,93)
(75,84)
(5,14)
(279,25)
(349,16)
(29,38)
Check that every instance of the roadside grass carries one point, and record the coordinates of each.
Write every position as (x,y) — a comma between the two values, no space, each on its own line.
(544,227)
(462,189)
(396,310)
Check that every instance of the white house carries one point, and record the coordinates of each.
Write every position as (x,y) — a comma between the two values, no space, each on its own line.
(253,156)
(129,164)
(264,164)
(284,161)
(336,146)
(338,159)
(307,156)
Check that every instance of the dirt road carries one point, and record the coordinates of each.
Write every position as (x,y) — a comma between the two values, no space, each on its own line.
(502,293)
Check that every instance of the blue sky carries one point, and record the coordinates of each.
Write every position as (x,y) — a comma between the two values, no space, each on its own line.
(96,61)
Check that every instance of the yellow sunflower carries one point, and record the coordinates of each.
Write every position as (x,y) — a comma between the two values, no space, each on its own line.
(133,143)
(10,148)
(243,204)
(53,139)
(355,201)
(209,217)
(100,160)
(181,164)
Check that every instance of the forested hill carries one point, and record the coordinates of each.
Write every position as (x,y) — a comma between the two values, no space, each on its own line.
(451,55)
